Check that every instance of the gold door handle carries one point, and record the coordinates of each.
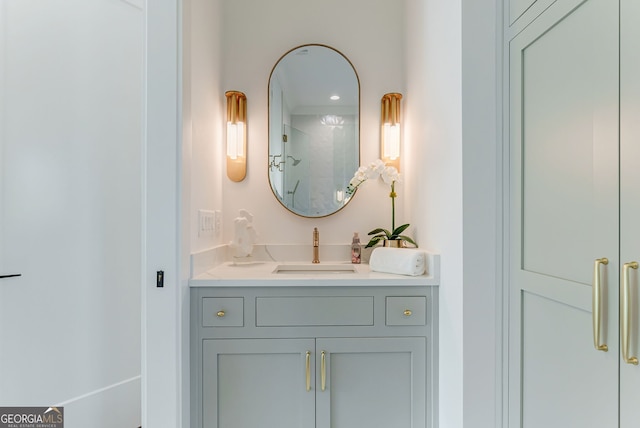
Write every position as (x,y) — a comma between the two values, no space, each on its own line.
(407,312)
(323,370)
(597,304)
(221,314)
(625,318)
(308,367)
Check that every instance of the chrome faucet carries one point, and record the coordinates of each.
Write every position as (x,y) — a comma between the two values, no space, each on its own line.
(316,245)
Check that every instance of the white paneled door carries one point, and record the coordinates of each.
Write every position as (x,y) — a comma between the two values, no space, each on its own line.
(565,218)
(575,234)
(630,203)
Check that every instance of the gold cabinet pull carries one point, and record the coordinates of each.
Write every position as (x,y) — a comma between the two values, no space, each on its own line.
(308,370)
(323,370)
(597,304)
(407,312)
(221,314)
(625,318)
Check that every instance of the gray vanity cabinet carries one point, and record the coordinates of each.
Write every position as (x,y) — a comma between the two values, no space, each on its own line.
(256,383)
(352,356)
(371,382)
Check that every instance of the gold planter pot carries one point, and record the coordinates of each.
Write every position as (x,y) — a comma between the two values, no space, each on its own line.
(393,243)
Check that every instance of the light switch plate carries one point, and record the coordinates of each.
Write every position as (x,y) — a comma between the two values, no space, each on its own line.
(217,222)
(206,222)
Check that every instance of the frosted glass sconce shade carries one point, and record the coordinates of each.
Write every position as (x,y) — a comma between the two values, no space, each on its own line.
(390,129)
(236,135)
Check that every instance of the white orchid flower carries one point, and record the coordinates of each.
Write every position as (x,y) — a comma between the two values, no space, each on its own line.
(390,175)
(375,168)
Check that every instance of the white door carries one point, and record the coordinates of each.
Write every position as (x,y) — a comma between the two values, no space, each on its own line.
(251,383)
(70,208)
(564,217)
(630,201)
(371,382)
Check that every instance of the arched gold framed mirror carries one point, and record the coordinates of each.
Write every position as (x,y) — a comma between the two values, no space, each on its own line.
(314,129)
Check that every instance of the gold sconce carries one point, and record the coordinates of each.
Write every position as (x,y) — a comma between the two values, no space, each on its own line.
(236,135)
(390,130)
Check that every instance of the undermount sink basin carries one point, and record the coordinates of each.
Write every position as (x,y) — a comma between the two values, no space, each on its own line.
(315,269)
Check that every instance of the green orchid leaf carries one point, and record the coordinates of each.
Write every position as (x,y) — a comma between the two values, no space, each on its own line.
(400,229)
(374,241)
(380,230)
(409,240)
(380,235)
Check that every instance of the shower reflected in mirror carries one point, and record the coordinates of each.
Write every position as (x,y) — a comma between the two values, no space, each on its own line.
(276,163)
(292,204)
(295,161)
(314,131)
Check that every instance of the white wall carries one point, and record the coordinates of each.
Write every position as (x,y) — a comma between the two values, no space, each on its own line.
(441,56)
(434,132)
(71,208)
(207,112)
(166,231)
(481,160)
(452,134)
(202,167)
(254,36)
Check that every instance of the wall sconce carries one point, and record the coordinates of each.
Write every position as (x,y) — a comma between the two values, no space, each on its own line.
(236,135)
(390,130)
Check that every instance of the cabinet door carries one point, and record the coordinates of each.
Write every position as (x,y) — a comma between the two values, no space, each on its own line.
(255,383)
(564,216)
(629,202)
(371,382)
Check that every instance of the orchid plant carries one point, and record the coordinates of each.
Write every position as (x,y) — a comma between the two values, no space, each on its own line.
(390,175)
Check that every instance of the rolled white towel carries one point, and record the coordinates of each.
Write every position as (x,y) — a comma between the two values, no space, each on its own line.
(401,261)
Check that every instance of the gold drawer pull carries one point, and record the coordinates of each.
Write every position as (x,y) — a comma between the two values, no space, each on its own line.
(323,370)
(308,370)
(596,301)
(407,312)
(625,316)
(221,314)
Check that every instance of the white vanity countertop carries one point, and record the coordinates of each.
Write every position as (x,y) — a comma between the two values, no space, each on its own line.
(261,274)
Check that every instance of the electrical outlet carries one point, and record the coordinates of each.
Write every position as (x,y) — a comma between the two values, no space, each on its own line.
(206,222)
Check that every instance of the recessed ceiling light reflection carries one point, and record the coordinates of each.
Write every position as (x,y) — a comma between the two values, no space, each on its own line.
(332,120)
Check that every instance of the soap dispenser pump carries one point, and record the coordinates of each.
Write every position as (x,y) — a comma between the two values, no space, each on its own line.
(356,249)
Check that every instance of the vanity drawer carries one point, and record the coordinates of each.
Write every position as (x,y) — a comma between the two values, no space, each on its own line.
(222,312)
(409,310)
(313,311)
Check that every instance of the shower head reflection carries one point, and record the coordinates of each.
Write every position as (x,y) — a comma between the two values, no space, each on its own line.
(295,161)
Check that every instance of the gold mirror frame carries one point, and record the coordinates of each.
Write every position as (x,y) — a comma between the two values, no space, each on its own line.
(290,172)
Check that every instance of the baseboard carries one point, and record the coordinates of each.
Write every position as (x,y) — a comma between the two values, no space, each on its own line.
(116,405)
